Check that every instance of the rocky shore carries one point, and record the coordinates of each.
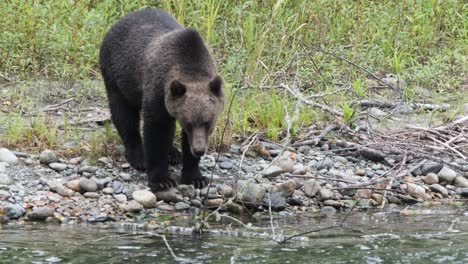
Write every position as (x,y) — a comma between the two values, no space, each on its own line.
(308,178)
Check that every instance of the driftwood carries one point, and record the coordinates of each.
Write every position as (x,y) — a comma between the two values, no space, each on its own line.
(390,104)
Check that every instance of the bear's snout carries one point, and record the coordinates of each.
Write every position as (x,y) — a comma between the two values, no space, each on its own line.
(198,142)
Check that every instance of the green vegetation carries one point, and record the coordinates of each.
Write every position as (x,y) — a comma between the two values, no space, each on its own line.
(258,44)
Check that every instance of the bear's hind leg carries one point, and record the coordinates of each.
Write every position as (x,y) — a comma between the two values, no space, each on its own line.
(126,119)
(191,173)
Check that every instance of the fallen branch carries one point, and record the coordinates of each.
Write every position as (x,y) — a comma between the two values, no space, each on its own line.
(389,104)
(303,99)
(56,106)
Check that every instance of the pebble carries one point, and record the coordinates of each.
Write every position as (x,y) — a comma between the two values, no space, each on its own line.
(121,198)
(40,213)
(447,175)
(145,198)
(226,165)
(439,189)
(14,211)
(108,190)
(363,193)
(285,163)
(74,185)
(47,156)
(428,168)
(87,185)
(275,200)
(133,206)
(91,195)
(5,179)
(287,188)
(88,169)
(125,176)
(299,169)
(170,196)
(378,198)
(324,194)
(463,192)
(180,206)
(225,190)
(4,195)
(311,187)
(250,192)
(186,191)
(272,171)
(332,203)
(414,189)
(101,182)
(118,187)
(7,156)
(57,166)
(166,207)
(328,210)
(461,181)
(294,201)
(217,202)
(431,178)
(62,190)
(326,163)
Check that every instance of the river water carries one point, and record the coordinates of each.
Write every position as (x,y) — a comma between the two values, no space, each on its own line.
(415,236)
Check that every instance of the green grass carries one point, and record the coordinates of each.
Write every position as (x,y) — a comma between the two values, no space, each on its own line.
(258,44)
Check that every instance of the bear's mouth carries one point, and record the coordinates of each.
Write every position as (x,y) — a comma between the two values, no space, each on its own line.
(198,142)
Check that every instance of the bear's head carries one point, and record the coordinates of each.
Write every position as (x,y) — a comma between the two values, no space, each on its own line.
(196,105)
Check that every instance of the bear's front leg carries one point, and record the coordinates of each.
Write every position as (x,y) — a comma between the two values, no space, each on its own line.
(157,142)
(191,173)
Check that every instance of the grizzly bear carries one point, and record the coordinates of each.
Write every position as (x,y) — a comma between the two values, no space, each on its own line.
(152,64)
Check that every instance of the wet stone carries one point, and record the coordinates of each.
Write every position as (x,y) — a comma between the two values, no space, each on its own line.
(275,200)
(14,211)
(463,192)
(40,214)
(332,203)
(294,201)
(328,210)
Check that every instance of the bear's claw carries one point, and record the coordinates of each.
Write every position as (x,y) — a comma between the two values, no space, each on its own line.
(175,156)
(162,185)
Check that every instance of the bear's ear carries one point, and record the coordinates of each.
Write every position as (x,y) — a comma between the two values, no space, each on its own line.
(216,85)
(178,89)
